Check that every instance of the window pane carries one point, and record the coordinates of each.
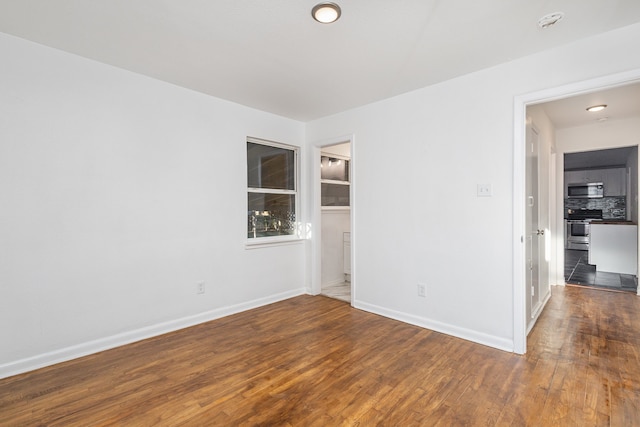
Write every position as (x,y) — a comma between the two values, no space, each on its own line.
(270,167)
(334,169)
(271,215)
(334,194)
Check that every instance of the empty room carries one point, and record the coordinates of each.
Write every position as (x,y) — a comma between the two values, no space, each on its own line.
(309,213)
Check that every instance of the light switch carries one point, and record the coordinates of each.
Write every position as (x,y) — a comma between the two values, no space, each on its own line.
(484,190)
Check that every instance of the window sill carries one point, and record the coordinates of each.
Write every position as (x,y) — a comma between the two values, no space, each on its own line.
(266,243)
(336,208)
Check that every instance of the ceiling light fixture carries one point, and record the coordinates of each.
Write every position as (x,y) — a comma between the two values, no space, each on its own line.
(550,19)
(596,108)
(326,13)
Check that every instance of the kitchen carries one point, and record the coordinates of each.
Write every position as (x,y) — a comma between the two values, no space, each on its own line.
(600,187)
(598,147)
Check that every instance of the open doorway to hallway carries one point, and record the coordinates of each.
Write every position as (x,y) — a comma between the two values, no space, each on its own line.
(335,218)
(596,214)
(591,138)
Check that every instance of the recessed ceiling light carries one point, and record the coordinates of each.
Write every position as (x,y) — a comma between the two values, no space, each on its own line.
(326,13)
(550,19)
(596,108)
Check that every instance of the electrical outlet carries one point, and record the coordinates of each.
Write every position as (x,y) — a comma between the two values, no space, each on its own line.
(484,190)
(200,287)
(422,291)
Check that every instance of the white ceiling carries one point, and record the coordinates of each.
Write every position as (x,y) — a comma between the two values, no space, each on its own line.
(622,102)
(271,55)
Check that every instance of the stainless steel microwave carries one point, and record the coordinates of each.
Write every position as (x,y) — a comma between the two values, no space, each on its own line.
(591,190)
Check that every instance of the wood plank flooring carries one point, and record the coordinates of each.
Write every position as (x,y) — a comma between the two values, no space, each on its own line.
(315,361)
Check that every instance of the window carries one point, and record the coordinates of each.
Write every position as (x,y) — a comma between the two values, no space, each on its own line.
(334,181)
(272,193)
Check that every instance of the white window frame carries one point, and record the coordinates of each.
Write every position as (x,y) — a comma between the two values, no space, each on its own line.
(252,242)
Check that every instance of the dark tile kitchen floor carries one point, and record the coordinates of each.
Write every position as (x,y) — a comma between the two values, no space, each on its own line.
(578,271)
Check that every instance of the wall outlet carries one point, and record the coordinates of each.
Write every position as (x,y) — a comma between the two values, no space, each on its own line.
(484,190)
(422,290)
(200,287)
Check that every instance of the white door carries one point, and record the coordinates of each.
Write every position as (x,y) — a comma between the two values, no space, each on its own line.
(535,235)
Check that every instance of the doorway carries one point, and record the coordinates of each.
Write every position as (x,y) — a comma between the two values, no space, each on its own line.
(332,273)
(335,208)
(610,176)
(520,270)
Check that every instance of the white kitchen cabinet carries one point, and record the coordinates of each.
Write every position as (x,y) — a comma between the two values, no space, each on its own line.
(613,248)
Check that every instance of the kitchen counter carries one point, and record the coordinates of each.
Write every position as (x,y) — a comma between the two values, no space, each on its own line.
(613,221)
(613,247)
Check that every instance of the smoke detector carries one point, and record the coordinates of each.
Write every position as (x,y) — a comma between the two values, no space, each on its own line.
(550,19)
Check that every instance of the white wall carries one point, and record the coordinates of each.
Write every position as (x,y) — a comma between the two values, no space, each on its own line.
(334,224)
(119,193)
(599,135)
(423,222)
(343,150)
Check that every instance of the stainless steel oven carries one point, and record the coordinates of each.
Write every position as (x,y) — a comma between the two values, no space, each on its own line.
(578,234)
(578,230)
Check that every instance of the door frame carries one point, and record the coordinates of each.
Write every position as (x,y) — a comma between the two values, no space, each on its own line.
(316,221)
(519,189)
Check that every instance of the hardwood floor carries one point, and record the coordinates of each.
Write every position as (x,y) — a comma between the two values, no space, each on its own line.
(314,361)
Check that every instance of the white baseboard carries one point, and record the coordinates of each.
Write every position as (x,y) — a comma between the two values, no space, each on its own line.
(466,334)
(106,343)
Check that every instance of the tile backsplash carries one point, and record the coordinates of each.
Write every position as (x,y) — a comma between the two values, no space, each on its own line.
(612,207)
